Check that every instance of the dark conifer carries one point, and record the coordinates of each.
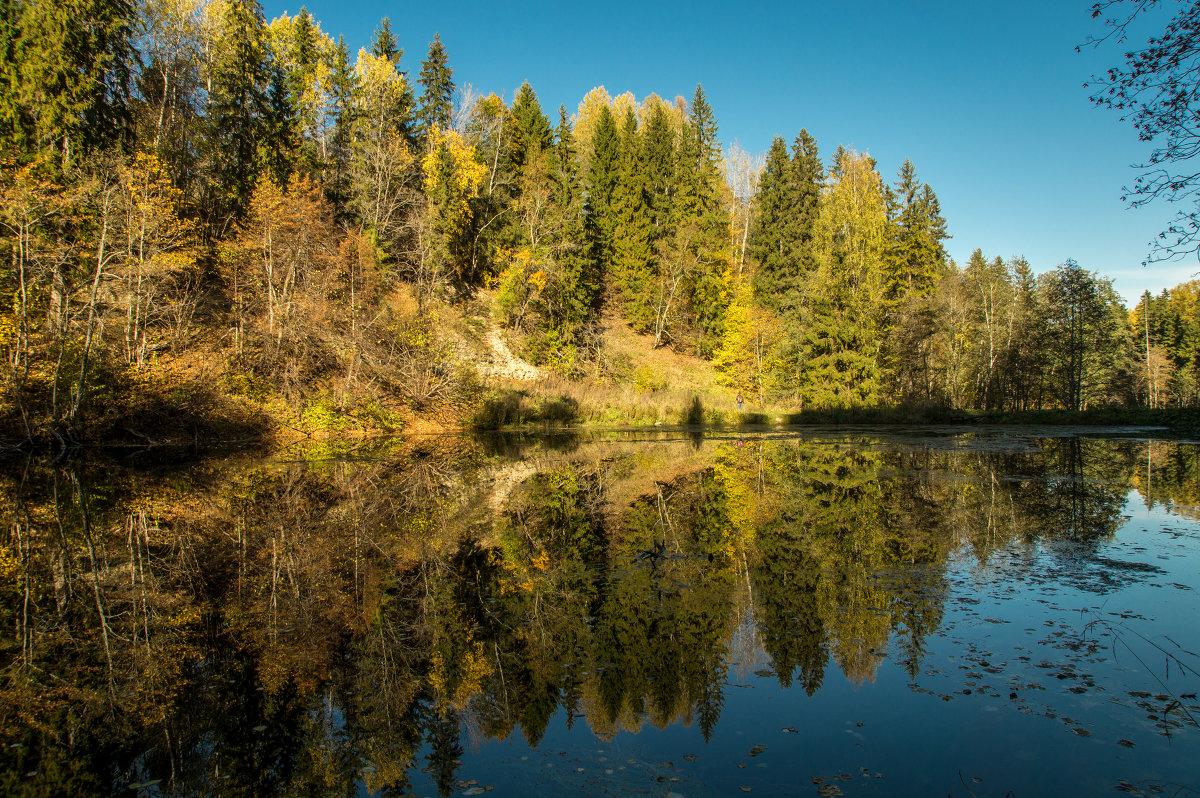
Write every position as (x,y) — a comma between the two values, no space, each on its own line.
(603,174)
(384,44)
(239,110)
(631,275)
(66,76)
(531,129)
(437,90)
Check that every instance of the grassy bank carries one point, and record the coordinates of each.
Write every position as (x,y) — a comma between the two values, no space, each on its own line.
(560,403)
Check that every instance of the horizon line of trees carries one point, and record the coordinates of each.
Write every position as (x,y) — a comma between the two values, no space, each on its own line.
(182,177)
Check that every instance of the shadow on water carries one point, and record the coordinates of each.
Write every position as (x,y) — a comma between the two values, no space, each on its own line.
(242,628)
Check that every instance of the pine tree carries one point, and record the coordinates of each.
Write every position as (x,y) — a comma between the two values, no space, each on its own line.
(437,90)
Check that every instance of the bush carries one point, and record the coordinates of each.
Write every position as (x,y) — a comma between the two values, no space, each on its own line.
(646,378)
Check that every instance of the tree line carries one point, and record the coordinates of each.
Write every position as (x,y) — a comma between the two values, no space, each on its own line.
(185,182)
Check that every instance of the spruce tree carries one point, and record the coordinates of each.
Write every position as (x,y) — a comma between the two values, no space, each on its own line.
(699,175)
(773,250)
(782,244)
(658,141)
(400,115)
(632,278)
(67,74)
(531,128)
(703,224)
(437,90)
(239,112)
(342,84)
(603,174)
(279,144)
(773,237)
(384,44)
(915,256)
(578,292)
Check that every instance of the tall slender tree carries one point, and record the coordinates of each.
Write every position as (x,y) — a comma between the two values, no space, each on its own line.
(239,113)
(437,90)
(603,176)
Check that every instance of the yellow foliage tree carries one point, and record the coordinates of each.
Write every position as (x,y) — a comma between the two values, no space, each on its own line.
(453,176)
(747,352)
(158,245)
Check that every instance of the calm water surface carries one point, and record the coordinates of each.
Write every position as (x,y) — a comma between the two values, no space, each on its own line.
(939,612)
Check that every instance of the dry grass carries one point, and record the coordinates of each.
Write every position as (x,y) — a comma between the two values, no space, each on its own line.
(635,385)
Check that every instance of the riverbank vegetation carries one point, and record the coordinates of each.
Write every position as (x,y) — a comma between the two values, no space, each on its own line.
(218,227)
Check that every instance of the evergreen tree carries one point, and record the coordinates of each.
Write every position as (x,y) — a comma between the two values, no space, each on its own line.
(531,128)
(659,156)
(782,245)
(66,74)
(437,90)
(699,175)
(342,85)
(840,364)
(384,44)
(280,144)
(580,287)
(631,268)
(603,176)
(239,112)
(785,213)
(400,113)
(698,207)
(916,256)
(1086,335)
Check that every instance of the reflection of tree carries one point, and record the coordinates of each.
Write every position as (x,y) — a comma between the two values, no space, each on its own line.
(1169,474)
(1077,502)
(321,623)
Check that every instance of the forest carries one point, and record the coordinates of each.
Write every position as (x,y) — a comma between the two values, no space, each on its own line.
(215,223)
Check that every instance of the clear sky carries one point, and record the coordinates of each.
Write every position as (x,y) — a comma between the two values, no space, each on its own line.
(986,99)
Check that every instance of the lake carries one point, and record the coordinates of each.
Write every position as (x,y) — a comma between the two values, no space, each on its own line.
(819,612)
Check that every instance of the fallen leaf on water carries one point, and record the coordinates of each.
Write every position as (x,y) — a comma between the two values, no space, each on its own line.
(1126,743)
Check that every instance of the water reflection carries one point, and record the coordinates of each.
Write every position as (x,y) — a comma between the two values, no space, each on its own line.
(276,628)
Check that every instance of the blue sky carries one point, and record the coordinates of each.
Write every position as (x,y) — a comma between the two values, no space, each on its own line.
(986,99)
